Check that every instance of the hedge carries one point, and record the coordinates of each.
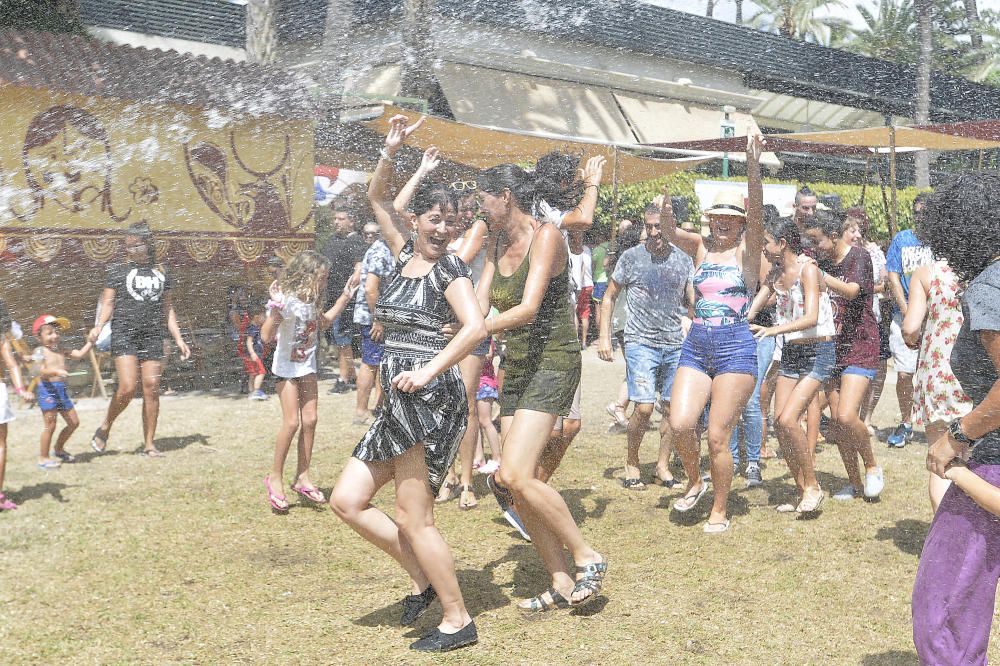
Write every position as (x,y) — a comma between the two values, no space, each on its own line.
(632,199)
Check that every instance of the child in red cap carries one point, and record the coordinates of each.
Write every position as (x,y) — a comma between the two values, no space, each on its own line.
(51,391)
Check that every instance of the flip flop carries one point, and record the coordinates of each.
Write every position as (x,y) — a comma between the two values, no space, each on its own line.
(277,502)
(666,483)
(50,464)
(689,502)
(6,504)
(99,438)
(152,453)
(785,508)
(633,484)
(716,528)
(811,504)
(64,456)
(312,493)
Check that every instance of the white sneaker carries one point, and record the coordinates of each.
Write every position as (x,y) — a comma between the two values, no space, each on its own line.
(848,492)
(874,483)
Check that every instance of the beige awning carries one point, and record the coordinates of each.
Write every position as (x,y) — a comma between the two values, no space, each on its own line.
(658,121)
(483,147)
(906,137)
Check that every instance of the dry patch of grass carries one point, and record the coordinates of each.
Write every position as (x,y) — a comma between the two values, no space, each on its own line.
(122,559)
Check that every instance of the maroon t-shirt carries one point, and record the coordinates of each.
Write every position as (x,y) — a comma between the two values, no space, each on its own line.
(857,330)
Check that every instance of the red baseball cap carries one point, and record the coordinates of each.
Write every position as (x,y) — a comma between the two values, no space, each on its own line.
(44,319)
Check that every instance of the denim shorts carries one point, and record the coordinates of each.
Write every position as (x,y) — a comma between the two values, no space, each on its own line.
(53,396)
(814,360)
(718,350)
(854,370)
(648,369)
(340,332)
(371,352)
(599,289)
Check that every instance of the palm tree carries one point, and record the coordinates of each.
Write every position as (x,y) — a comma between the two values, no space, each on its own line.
(797,19)
(889,34)
(925,42)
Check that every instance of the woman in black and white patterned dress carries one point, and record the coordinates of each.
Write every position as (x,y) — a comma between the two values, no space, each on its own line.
(414,439)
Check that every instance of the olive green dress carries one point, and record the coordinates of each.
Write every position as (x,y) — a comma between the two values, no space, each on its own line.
(542,359)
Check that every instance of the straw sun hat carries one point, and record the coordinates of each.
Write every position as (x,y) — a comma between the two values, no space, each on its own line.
(728,202)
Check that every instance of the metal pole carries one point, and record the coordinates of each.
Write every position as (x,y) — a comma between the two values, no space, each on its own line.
(614,201)
(894,211)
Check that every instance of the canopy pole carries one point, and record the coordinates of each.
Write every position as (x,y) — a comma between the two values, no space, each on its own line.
(864,180)
(980,167)
(614,199)
(894,212)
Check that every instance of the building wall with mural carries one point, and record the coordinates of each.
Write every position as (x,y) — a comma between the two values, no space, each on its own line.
(221,193)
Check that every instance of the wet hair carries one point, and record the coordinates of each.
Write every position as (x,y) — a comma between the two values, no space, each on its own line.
(804,191)
(864,224)
(960,224)
(770,212)
(624,241)
(651,209)
(428,196)
(141,231)
(784,228)
(826,221)
(299,277)
(510,177)
(556,180)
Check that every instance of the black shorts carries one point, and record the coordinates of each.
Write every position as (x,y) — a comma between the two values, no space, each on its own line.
(146,345)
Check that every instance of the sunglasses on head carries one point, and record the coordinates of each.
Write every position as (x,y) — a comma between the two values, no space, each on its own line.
(460,185)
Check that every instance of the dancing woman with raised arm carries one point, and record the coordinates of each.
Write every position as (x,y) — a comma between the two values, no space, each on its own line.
(719,357)
(415,437)
(526,278)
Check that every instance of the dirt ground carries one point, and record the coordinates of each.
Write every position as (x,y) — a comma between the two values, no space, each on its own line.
(123,559)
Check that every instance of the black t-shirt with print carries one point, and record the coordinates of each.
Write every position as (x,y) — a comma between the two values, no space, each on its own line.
(344,252)
(139,292)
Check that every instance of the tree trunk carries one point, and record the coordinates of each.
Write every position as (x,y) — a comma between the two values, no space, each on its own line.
(739,12)
(710,8)
(262,35)
(972,13)
(923,101)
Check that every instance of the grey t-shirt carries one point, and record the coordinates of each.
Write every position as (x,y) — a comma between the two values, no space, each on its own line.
(969,361)
(655,291)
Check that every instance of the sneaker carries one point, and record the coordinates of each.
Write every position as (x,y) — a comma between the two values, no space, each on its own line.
(900,436)
(753,475)
(64,456)
(340,387)
(736,468)
(258,395)
(874,483)
(514,521)
(848,492)
(502,495)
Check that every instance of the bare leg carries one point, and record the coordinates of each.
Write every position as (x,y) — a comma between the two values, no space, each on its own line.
(936,485)
(904,393)
(470,368)
(151,372)
(3,454)
(127,370)
(558,444)
(346,357)
(415,517)
(308,398)
(767,388)
(666,445)
(366,381)
(49,419)
(691,391)
(72,423)
(814,413)
(795,396)
(730,393)
(351,501)
(875,393)
(637,425)
(288,396)
(490,434)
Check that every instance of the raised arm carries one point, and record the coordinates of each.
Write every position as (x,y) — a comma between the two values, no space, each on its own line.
(472,241)
(392,223)
(753,237)
(548,258)
(428,163)
(582,217)
(688,241)
(916,307)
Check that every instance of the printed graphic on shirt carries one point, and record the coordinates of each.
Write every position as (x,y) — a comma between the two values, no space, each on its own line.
(914,257)
(305,339)
(144,287)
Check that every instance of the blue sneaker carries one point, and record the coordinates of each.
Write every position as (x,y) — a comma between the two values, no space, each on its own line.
(506,501)
(900,436)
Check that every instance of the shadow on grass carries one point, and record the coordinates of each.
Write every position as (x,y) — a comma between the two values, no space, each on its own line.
(89,456)
(737,505)
(40,490)
(908,535)
(177,443)
(891,658)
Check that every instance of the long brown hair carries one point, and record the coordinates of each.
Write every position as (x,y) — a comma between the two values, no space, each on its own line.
(299,277)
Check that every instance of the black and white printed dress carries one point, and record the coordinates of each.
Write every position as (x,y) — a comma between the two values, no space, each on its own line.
(413,310)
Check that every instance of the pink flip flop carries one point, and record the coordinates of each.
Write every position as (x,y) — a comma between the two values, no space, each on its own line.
(311,493)
(277,502)
(6,504)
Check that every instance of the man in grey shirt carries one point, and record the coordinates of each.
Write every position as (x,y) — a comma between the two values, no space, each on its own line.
(657,276)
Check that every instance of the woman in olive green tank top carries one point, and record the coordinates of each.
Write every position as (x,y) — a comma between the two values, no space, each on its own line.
(526,278)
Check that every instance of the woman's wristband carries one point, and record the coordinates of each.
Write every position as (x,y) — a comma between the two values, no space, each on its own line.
(275,305)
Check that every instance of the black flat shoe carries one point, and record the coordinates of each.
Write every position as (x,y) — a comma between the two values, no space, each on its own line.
(414,605)
(436,641)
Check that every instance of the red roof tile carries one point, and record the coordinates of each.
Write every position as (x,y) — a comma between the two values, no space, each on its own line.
(86,66)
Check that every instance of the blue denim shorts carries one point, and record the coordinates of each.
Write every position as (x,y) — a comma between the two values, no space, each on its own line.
(814,360)
(718,350)
(648,369)
(371,352)
(53,396)
(854,370)
(340,331)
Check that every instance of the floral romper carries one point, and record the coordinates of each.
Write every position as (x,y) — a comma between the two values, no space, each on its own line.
(937,395)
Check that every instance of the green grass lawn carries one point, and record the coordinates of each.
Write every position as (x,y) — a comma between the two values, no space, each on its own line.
(122,559)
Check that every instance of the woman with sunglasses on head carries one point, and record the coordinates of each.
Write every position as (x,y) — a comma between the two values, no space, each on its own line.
(527,279)
(138,301)
(468,244)
(718,361)
(415,437)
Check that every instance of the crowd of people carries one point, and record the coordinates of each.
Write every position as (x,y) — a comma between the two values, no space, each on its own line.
(479,294)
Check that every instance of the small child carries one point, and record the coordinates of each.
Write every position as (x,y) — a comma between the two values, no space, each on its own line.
(485,398)
(6,413)
(51,392)
(254,354)
(295,319)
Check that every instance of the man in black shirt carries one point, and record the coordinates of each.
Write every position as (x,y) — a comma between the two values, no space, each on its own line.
(345,249)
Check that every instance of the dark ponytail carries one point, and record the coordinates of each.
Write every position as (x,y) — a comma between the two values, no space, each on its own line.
(784,228)
(427,196)
(509,177)
(556,180)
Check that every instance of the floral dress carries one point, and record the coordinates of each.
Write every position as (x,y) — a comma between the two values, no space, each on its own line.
(937,395)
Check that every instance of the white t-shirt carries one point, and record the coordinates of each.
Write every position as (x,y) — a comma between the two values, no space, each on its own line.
(298,336)
(581,267)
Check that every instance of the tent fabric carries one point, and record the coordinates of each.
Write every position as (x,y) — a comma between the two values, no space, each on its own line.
(483,147)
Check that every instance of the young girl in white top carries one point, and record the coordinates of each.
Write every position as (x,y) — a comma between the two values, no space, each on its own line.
(294,312)
(805,319)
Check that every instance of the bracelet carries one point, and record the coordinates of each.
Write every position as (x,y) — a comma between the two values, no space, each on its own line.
(275,305)
(383,153)
(596,187)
